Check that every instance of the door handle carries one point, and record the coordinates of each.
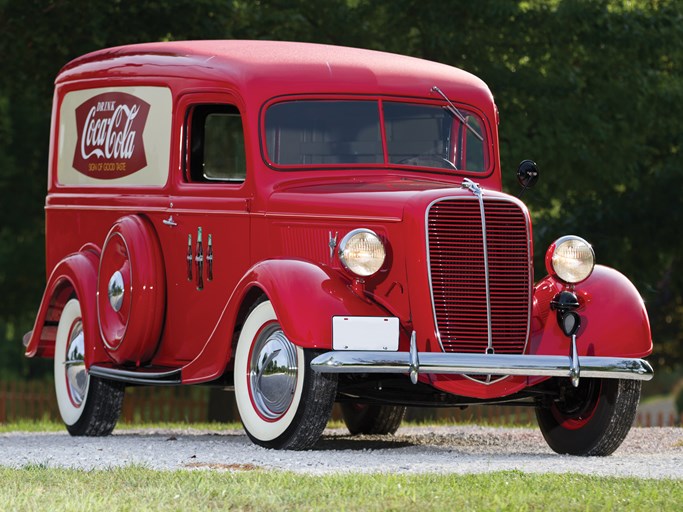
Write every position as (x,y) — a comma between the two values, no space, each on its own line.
(170,221)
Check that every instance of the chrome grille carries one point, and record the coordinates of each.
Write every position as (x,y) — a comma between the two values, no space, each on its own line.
(458,275)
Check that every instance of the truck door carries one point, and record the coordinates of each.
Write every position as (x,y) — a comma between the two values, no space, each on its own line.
(209,220)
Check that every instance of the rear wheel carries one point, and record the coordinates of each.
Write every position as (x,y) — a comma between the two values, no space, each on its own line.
(371,418)
(89,406)
(282,403)
(592,419)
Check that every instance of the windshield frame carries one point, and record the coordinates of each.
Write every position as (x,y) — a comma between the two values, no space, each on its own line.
(487,132)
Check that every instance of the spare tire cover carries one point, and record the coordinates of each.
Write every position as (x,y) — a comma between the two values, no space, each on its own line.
(131,291)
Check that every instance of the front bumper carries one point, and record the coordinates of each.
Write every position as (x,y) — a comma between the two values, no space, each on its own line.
(481,364)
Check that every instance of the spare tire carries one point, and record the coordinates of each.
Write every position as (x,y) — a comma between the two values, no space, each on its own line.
(131,291)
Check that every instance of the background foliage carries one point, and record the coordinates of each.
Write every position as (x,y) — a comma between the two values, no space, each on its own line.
(590,89)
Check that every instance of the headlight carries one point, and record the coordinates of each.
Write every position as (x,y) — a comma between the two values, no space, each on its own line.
(362,252)
(571,259)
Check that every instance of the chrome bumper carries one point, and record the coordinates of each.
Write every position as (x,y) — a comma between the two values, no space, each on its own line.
(481,364)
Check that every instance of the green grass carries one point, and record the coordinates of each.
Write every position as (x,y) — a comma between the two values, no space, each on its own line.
(31,426)
(47,425)
(247,487)
(136,488)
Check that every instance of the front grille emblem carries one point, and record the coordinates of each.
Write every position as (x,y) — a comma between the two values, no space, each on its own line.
(332,243)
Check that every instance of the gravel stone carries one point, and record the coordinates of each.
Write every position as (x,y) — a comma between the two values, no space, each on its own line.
(646,452)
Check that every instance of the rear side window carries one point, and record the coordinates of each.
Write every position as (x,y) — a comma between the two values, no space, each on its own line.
(216,144)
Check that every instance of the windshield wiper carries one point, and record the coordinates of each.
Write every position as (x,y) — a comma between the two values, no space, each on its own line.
(455,112)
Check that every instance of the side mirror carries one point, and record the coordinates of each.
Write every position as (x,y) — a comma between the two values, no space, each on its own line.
(527,174)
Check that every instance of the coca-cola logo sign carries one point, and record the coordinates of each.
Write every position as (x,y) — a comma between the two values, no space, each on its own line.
(110,128)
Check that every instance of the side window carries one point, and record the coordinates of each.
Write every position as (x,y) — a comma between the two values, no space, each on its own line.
(472,157)
(216,144)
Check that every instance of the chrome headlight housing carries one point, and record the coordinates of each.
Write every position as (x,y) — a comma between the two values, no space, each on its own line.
(571,259)
(362,252)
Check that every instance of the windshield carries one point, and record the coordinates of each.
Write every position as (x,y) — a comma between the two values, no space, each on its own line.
(323,132)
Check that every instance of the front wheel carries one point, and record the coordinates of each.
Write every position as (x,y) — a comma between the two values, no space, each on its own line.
(283,404)
(89,406)
(592,419)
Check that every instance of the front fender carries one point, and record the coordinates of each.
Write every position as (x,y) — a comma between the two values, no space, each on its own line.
(75,274)
(614,320)
(305,297)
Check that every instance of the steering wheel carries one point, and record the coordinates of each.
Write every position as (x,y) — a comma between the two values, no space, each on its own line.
(430,157)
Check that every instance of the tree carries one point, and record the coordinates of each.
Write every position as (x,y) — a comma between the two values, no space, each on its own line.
(591,90)
(38,38)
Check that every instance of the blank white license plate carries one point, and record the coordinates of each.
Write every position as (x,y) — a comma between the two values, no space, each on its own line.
(365,333)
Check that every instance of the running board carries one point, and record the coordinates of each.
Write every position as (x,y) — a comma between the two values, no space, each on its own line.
(144,376)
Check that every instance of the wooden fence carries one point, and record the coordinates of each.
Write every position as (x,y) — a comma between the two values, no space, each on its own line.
(190,404)
(36,401)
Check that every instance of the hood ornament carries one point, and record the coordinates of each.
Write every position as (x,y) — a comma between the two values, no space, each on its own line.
(472,187)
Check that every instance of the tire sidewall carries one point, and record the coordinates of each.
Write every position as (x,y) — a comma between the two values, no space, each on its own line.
(255,425)
(69,412)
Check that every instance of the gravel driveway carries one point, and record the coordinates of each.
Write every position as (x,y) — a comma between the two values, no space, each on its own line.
(646,452)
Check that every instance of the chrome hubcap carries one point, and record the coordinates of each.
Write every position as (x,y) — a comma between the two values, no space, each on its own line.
(115,291)
(76,374)
(273,373)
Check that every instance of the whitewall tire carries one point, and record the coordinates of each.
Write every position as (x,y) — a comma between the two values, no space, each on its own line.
(88,405)
(282,402)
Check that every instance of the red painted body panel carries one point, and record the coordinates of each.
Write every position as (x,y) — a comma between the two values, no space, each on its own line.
(267,69)
(276,233)
(75,274)
(614,321)
(132,251)
(316,293)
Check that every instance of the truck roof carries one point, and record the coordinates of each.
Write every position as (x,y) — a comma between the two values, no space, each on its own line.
(275,67)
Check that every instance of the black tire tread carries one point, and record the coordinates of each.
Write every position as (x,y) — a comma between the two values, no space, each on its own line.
(607,434)
(317,401)
(373,419)
(102,409)
(626,406)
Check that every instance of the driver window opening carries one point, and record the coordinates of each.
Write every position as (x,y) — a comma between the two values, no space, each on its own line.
(216,144)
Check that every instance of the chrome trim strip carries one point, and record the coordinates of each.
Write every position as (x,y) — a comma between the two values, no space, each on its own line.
(414,359)
(490,380)
(479,193)
(481,364)
(574,365)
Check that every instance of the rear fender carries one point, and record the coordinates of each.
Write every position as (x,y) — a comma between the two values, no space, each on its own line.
(75,274)
(614,320)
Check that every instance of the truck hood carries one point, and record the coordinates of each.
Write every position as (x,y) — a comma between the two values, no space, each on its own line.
(375,197)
